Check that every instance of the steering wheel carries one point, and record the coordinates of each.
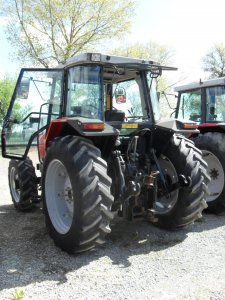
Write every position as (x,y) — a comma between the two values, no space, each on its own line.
(90,110)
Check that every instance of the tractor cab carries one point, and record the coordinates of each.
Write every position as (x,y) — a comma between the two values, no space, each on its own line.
(203,102)
(111,94)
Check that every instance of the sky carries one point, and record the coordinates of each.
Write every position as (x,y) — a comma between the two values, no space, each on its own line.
(190,27)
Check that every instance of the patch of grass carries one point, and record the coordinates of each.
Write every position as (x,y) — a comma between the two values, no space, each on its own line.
(18,294)
(200,220)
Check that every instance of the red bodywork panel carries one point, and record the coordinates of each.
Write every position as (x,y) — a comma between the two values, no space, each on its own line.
(207,127)
(203,125)
(54,130)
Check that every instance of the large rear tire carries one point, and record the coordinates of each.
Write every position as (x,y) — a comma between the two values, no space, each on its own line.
(213,152)
(76,194)
(22,184)
(182,206)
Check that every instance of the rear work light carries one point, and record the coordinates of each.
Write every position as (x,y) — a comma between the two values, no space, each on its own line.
(94,126)
(95,57)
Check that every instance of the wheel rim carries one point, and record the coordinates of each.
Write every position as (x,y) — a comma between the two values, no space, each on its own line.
(216,172)
(59,196)
(166,203)
(14,184)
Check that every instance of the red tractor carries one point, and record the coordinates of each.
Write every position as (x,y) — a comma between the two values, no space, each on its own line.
(204,103)
(102,148)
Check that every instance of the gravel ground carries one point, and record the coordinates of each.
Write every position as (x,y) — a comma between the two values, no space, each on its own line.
(138,261)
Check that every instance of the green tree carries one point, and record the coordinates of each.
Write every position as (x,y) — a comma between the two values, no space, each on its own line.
(47,32)
(7,85)
(149,50)
(161,54)
(214,61)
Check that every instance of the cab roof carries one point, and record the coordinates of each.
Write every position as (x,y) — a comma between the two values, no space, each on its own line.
(200,84)
(120,61)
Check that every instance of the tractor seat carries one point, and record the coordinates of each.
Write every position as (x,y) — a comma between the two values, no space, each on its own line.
(195,117)
(76,110)
(114,115)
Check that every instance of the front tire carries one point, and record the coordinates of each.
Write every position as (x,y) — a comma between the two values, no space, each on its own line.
(213,152)
(22,184)
(77,198)
(184,205)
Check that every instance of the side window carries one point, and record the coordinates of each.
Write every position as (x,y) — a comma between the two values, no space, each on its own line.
(190,106)
(215,104)
(56,100)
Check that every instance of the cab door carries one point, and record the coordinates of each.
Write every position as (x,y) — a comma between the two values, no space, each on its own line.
(37,99)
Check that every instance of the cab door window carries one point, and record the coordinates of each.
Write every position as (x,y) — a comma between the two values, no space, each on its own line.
(36,101)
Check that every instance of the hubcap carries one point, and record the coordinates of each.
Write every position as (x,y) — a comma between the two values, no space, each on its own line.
(166,202)
(14,184)
(216,172)
(59,196)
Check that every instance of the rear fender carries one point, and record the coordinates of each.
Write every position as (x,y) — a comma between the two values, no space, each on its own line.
(177,126)
(165,129)
(74,126)
(54,130)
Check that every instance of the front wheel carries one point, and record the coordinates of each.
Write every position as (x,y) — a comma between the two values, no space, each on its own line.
(22,184)
(213,151)
(184,205)
(77,198)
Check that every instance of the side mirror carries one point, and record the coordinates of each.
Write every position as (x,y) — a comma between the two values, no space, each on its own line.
(23,88)
(120,95)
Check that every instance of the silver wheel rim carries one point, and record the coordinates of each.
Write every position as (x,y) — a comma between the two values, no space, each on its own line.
(216,172)
(59,196)
(166,203)
(14,184)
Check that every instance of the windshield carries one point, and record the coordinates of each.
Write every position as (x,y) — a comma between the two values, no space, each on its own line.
(190,107)
(84,92)
(153,96)
(133,103)
(215,104)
